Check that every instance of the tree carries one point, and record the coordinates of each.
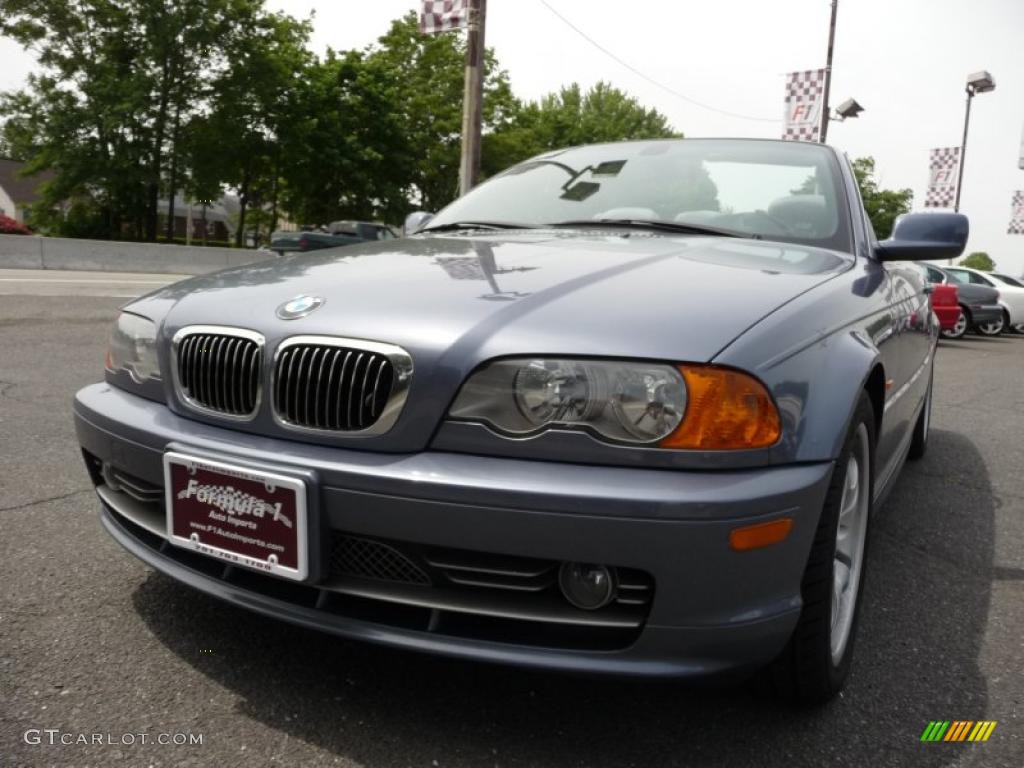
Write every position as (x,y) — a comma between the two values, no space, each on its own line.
(882,205)
(979,260)
(427,73)
(569,118)
(120,85)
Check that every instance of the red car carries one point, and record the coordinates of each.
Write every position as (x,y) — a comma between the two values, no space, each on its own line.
(946,305)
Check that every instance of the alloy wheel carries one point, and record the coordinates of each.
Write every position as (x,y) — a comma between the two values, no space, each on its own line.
(850,538)
(992,329)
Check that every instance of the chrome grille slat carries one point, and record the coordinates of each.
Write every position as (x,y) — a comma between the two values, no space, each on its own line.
(294,404)
(220,345)
(361,411)
(328,400)
(207,379)
(312,385)
(341,389)
(225,375)
(325,383)
(351,390)
(218,369)
(320,385)
(233,375)
(377,402)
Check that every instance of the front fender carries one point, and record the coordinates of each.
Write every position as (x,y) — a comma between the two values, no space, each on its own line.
(817,384)
(819,387)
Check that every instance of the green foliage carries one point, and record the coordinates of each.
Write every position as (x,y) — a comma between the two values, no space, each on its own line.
(426,76)
(570,118)
(141,99)
(979,260)
(882,205)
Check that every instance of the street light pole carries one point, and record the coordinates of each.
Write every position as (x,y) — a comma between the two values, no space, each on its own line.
(963,149)
(977,82)
(828,72)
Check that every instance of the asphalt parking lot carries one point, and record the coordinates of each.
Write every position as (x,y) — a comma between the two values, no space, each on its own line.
(91,641)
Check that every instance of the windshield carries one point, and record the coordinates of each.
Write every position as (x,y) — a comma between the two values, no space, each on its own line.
(788,191)
(1008,280)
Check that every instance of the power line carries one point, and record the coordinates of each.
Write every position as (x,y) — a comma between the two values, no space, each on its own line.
(651,80)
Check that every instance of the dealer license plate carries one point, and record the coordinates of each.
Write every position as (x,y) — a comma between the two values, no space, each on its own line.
(238,514)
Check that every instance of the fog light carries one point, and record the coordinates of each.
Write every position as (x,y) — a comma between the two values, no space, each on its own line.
(108,477)
(587,586)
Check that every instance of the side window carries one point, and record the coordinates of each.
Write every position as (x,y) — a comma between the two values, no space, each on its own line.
(958,276)
(934,276)
(979,280)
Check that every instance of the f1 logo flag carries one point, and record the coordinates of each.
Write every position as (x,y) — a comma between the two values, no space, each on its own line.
(1017,217)
(803,105)
(443,15)
(943,173)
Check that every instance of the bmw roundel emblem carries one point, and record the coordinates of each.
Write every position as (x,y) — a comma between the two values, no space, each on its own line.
(298,307)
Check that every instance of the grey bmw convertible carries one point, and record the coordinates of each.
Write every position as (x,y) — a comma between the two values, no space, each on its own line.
(624,408)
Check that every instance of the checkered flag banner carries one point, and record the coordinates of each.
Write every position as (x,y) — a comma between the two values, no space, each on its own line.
(462,267)
(804,92)
(1017,216)
(943,170)
(443,16)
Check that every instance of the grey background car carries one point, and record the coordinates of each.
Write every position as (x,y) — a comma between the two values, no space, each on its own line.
(978,303)
(600,415)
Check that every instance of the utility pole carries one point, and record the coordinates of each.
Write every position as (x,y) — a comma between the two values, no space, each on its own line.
(472,115)
(828,72)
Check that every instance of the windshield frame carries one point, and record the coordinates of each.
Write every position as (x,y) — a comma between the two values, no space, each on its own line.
(843,239)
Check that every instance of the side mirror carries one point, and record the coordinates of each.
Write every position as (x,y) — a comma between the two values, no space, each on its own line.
(924,236)
(416,221)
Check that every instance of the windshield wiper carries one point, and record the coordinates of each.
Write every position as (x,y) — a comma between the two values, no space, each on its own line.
(456,225)
(656,224)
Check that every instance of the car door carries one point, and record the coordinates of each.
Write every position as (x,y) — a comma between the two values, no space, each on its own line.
(913,329)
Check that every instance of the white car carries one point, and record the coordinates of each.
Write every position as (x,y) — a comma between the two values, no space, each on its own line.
(1013,282)
(1011,297)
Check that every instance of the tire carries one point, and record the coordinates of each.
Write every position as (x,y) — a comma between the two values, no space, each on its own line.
(991,329)
(815,663)
(962,324)
(919,442)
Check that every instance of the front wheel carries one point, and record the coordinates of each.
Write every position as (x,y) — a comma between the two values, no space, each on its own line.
(816,661)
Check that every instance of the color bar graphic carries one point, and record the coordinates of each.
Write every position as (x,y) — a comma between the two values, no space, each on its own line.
(958,730)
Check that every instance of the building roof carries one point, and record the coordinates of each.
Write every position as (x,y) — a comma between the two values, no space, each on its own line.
(23,190)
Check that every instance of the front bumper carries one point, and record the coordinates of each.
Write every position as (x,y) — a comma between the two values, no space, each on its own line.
(713,610)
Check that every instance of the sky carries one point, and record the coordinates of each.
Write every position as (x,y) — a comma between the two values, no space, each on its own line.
(905,61)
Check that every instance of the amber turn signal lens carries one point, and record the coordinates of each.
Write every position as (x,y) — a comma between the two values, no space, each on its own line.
(760,535)
(726,410)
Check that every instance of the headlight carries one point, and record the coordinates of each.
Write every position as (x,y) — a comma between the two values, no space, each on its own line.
(697,407)
(628,402)
(133,348)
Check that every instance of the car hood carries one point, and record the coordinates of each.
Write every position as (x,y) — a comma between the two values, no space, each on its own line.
(456,301)
(636,295)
